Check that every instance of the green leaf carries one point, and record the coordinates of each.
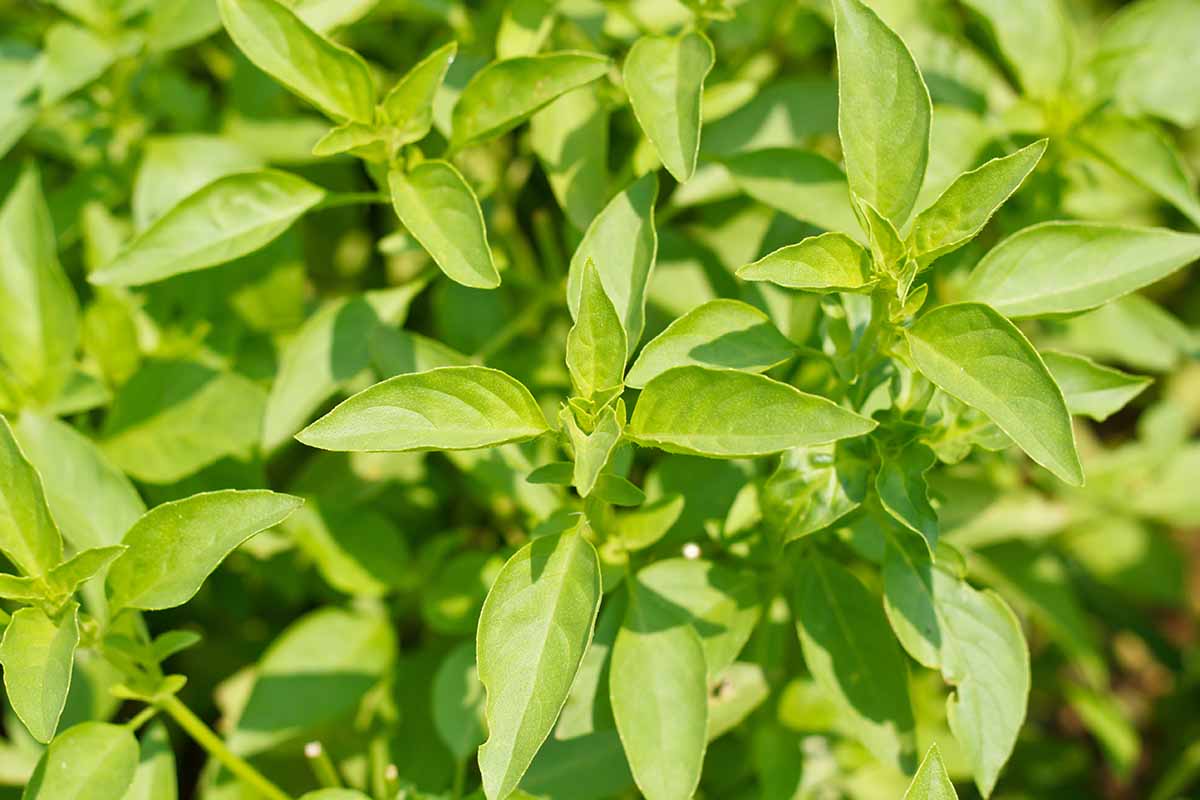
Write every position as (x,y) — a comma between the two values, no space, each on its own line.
(973,353)
(593,450)
(173,24)
(570,138)
(961,211)
(1034,38)
(524,27)
(645,526)
(1064,267)
(831,262)
(730,414)
(931,781)
(449,408)
(804,185)
(813,488)
(622,243)
(903,491)
(177,165)
(618,491)
(596,344)
(74,57)
(174,547)
(664,77)
(155,776)
(853,656)
(1091,389)
(505,93)
(226,219)
(458,702)
(535,627)
(976,641)
(39,314)
(883,112)
(357,550)
(737,691)
(659,692)
(92,501)
(720,333)
(81,567)
(38,654)
(331,77)
(408,107)
(91,761)
(440,210)
(29,538)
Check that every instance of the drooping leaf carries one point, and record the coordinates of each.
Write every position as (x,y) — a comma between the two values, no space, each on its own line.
(331,77)
(29,537)
(535,627)
(1034,38)
(664,76)
(38,655)
(226,219)
(731,414)
(1092,389)
(883,112)
(506,93)
(853,656)
(962,210)
(813,488)
(1063,267)
(903,491)
(449,408)
(441,211)
(802,184)
(596,344)
(623,244)
(973,353)
(39,314)
(931,781)
(174,547)
(409,104)
(91,761)
(659,694)
(826,263)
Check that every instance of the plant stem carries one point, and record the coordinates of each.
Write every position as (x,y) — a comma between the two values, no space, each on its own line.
(338,199)
(195,727)
(460,778)
(141,718)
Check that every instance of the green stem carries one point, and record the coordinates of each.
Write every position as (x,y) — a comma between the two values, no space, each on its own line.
(141,718)
(322,766)
(195,727)
(339,199)
(460,778)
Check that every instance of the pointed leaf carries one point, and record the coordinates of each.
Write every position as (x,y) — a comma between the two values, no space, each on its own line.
(664,76)
(903,491)
(409,104)
(83,566)
(973,353)
(441,211)
(28,536)
(1034,38)
(535,627)
(592,451)
(931,781)
(91,761)
(449,408)
(570,137)
(596,344)
(831,262)
(38,655)
(1091,389)
(804,185)
(730,414)
(174,547)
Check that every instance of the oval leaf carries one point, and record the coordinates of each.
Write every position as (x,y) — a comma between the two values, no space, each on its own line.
(28,536)
(534,629)
(440,209)
(730,414)
(38,654)
(449,408)
(91,761)
(331,77)
(831,262)
(973,353)
(227,219)
(1063,267)
(664,76)
(175,546)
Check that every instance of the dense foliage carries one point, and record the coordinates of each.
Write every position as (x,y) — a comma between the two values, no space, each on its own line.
(587,399)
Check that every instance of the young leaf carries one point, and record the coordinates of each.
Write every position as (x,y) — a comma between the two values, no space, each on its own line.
(721,333)
(883,112)
(659,692)
(331,77)
(973,353)
(1064,267)
(506,93)
(534,629)
(38,654)
(83,566)
(831,262)
(174,547)
(596,344)
(1091,389)
(853,656)
(409,104)
(592,451)
(622,243)
(961,211)
(904,493)
(449,408)
(805,185)
(91,761)
(29,538)
(931,781)
(730,414)
(664,76)
(39,314)
(1034,38)
(440,209)
(229,218)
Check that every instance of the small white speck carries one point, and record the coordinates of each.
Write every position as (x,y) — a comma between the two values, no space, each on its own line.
(313,750)
(691,551)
